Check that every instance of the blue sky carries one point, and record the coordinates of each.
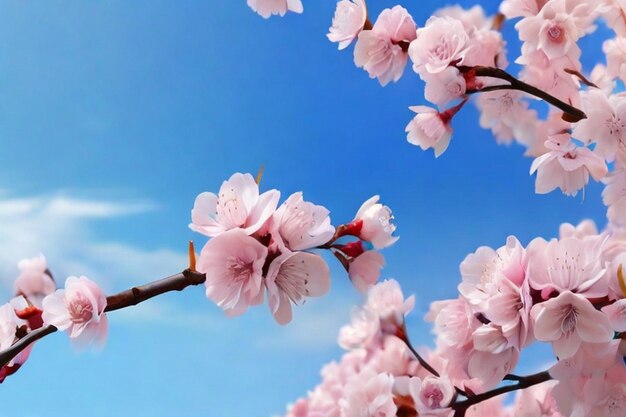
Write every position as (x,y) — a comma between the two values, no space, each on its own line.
(115,115)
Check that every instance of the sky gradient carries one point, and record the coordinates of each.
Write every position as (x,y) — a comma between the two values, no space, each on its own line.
(113,117)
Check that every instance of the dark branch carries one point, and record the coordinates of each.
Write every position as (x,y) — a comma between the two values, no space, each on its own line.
(136,295)
(130,297)
(572,113)
(523,382)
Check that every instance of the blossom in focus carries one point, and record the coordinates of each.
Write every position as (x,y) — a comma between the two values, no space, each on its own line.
(233,264)
(364,270)
(566,166)
(429,129)
(34,281)
(266,8)
(293,276)
(554,30)
(237,205)
(567,321)
(569,264)
(348,22)
(440,43)
(302,225)
(379,51)
(79,310)
(377,223)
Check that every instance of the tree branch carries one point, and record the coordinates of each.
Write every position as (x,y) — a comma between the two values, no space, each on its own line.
(124,299)
(522,383)
(572,113)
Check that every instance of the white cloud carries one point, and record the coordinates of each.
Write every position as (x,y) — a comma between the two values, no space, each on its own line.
(60,227)
(74,207)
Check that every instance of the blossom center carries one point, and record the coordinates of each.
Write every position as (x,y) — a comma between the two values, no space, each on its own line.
(570,314)
(615,125)
(442,51)
(433,397)
(240,270)
(80,309)
(230,210)
(556,33)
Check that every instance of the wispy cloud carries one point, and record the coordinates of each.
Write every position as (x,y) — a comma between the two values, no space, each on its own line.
(61,227)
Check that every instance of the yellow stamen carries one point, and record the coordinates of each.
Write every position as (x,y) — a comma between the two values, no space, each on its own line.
(259,175)
(620,279)
(192,257)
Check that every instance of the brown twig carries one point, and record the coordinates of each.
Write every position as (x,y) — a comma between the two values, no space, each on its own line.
(523,382)
(124,299)
(571,113)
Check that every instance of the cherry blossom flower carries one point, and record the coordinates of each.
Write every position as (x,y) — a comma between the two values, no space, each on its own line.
(614,196)
(454,321)
(605,123)
(566,166)
(483,270)
(376,223)
(238,205)
(387,301)
(379,51)
(549,74)
(266,8)
(432,395)
(441,42)
(488,368)
(293,276)
(429,129)
(503,109)
(233,263)
(554,30)
(569,264)
(348,22)
(302,225)
(79,310)
(567,321)
(34,281)
(362,332)
(364,270)
(616,313)
(490,338)
(369,395)
(445,86)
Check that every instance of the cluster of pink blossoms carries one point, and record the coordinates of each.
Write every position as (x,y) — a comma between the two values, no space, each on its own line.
(458,53)
(569,292)
(259,248)
(77,309)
